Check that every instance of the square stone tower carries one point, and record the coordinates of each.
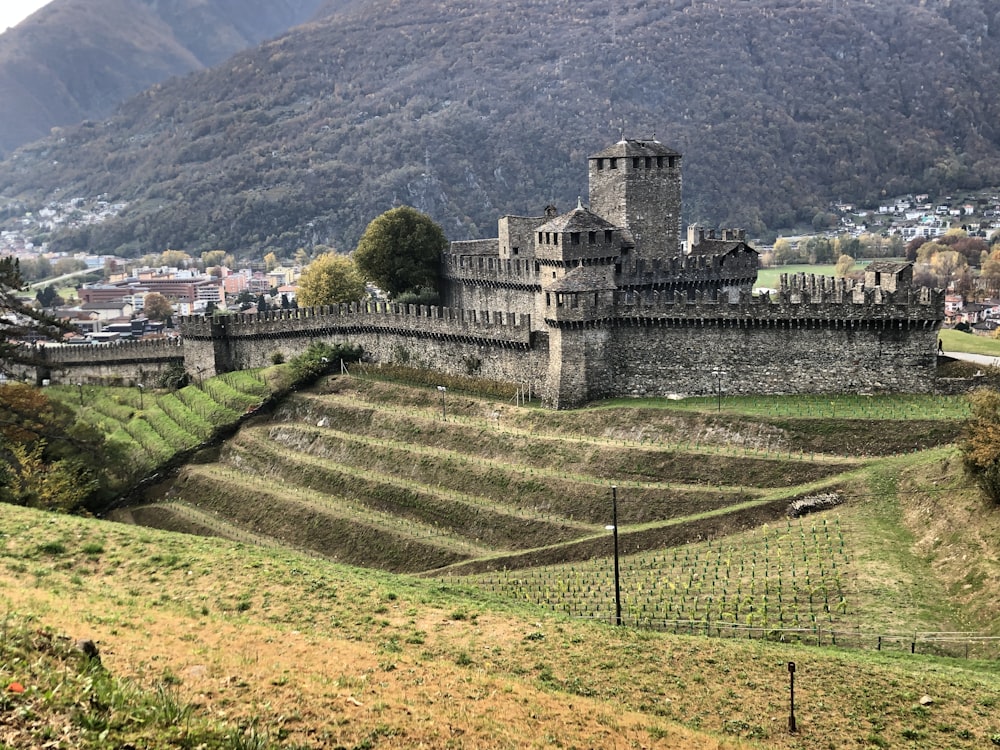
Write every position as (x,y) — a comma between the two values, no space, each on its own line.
(636,185)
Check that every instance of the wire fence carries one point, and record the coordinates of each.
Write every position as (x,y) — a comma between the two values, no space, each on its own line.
(959,644)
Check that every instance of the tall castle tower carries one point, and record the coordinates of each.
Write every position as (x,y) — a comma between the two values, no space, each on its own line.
(636,185)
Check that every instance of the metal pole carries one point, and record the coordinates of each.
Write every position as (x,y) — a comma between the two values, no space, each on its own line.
(444,409)
(618,586)
(791,698)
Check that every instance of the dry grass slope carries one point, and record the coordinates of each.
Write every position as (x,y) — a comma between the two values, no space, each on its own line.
(304,653)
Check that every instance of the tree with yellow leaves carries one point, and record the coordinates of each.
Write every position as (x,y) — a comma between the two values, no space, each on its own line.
(330,280)
(981,445)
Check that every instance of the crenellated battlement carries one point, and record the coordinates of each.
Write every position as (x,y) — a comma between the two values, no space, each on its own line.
(513,273)
(387,317)
(596,302)
(114,351)
(801,297)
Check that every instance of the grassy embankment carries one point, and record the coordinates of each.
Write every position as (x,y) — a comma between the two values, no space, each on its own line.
(261,647)
(957,341)
(369,473)
(152,427)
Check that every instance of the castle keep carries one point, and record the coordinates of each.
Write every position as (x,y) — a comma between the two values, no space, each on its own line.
(606,300)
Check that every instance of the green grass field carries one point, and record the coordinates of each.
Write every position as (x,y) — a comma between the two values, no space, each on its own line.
(957,341)
(152,426)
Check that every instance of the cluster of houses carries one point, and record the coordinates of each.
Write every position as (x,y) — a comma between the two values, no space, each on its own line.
(913,216)
(23,234)
(115,309)
(981,318)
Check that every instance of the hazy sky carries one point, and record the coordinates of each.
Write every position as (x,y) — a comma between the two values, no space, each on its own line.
(14,11)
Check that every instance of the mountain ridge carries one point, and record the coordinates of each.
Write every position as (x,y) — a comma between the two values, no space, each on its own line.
(74,59)
(467,113)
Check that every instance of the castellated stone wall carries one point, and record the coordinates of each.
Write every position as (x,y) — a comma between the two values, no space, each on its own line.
(477,282)
(819,336)
(792,357)
(492,345)
(123,362)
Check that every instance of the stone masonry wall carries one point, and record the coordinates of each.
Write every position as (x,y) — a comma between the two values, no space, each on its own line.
(459,342)
(126,362)
(484,283)
(811,357)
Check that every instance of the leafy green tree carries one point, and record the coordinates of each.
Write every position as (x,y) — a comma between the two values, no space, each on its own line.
(48,459)
(330,280)
(991,269)
(48,296)
(35,269)
(321,357)
(819,250)
(175,258)
(245,299)
(785,252)
(68,265)
(400,251)
(212,258)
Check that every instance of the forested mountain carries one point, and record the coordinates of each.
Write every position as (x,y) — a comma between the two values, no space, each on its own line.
(78,59)
(779,106)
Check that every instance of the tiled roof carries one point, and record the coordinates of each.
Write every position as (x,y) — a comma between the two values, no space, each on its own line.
(580,219)
(718,247)
(628,148)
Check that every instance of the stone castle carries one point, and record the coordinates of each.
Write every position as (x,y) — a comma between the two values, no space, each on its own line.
(603,301)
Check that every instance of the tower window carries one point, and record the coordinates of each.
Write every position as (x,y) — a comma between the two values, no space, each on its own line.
(574,237)
(607,235)
(592,237)
(659,162)
(635,162)
(612,164)
(649,162)
(600,164)
(539,238)
(515,250)
(673,162)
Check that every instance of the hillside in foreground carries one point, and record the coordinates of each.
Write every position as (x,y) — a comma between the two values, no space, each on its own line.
(281,648)
(302,652)
(470,112)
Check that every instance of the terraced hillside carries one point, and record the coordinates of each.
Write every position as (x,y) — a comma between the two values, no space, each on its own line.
(383,475)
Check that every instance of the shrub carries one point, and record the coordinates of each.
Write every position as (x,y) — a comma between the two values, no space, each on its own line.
(318,358)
